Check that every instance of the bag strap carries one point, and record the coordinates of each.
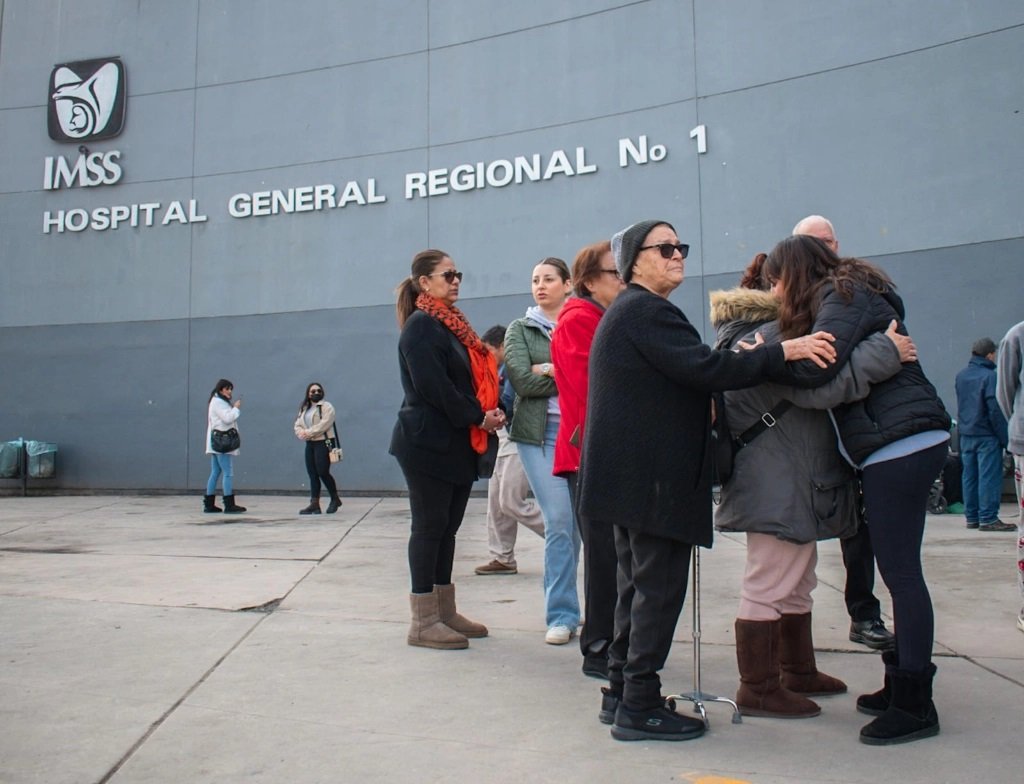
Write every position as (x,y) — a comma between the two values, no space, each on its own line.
(337,439)
(768,420)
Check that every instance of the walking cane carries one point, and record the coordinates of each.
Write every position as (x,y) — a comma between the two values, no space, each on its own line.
(697,696)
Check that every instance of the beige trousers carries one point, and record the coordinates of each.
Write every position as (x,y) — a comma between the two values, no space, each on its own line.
(508,507)
(779,578)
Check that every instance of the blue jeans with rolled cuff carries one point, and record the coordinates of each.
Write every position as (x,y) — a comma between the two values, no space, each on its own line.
(561,537)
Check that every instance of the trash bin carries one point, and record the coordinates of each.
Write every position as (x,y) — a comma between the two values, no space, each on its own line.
(10,459)
(42,459)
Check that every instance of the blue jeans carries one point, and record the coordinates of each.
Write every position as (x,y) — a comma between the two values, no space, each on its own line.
(561,537)
(983,477)
(221,464)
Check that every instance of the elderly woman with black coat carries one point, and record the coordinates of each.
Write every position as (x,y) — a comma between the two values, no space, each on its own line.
(646,465)
(790,488)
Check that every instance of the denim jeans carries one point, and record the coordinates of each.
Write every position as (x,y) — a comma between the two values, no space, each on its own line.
(221,464)
(561,538)
(983,477)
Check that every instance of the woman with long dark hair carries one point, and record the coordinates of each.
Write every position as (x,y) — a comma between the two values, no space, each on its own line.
(313,425)
(896,437)
(222,415)
(448,417)
(789,489)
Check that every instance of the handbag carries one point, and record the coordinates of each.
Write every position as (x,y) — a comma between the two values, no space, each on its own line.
(334,451)
(223,441)
(724,447)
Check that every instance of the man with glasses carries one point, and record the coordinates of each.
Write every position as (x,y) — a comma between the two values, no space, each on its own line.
(866,626)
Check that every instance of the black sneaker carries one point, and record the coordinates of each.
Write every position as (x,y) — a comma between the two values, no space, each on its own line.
(655,724)
(595,665)
(872,634)
(609,704)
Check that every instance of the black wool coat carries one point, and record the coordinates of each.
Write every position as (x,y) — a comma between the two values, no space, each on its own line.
(646,462)
(440,404)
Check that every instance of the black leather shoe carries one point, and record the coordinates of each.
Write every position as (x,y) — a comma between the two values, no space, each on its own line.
(872,634)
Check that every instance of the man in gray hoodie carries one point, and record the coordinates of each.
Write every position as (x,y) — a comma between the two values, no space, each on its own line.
(1010,394)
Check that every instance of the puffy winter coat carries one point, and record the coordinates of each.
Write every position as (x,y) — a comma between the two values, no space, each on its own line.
(791,480)
(901,406)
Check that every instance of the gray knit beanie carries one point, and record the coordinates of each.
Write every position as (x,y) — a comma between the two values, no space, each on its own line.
(626,245)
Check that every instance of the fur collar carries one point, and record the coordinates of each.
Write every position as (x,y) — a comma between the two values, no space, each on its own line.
(743,305)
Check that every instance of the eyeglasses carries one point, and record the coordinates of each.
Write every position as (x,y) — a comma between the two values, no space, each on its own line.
(449,276)
(667,249)
(614,272)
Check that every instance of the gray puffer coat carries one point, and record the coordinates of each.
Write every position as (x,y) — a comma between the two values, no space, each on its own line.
(791,480)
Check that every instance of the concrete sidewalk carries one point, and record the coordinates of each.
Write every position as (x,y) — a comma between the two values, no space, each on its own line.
(143,641)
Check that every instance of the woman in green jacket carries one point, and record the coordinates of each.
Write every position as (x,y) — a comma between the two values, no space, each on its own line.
(534,428)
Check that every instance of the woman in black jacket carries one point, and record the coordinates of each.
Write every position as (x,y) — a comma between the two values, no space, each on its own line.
(447,420)
(897,437)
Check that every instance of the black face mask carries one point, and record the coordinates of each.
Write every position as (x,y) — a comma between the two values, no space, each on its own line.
(316,397)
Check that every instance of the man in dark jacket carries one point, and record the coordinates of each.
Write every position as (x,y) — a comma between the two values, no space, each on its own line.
(983,437)
(863,607)
(646,465)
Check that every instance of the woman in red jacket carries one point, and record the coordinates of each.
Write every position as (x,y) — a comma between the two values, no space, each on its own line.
(596,283)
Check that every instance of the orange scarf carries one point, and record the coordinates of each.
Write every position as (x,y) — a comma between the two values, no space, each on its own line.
(481,361)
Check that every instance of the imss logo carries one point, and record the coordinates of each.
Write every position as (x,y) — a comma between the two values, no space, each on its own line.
(87,100)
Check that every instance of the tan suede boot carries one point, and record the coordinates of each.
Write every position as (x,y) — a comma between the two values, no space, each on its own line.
(796,658)
(761,692)
(426,630)
(450,616)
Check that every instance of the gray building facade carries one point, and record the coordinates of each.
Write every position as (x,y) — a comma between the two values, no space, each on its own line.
(280,163)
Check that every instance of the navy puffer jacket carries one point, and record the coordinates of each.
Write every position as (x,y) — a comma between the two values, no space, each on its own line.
(902,406)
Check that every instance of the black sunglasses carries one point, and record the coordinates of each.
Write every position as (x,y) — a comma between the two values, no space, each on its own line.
(667,249)
(448,275)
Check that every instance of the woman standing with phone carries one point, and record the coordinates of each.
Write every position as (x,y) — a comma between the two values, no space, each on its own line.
(222,416)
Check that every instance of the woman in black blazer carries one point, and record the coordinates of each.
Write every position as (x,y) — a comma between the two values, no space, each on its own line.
(446,423)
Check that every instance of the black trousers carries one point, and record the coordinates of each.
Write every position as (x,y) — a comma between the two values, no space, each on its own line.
(318,466)
(859,560)
(652,580)
(896,498)
(600,593)
(437,510)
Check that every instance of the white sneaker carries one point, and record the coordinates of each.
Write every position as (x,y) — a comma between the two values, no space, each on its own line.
(558,635)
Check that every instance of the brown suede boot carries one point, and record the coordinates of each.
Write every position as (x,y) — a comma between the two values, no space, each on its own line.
(796,658)
(426,630)
(450,616)
(761,693)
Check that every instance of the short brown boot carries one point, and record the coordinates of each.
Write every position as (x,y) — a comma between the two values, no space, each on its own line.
(761,693)
(796,658)
(426,630)
(450,616)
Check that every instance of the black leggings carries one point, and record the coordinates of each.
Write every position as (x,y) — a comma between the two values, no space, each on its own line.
(318,466)
(437,509)
(896,500)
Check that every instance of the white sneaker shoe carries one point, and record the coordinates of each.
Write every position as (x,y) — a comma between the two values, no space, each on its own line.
(558,635)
